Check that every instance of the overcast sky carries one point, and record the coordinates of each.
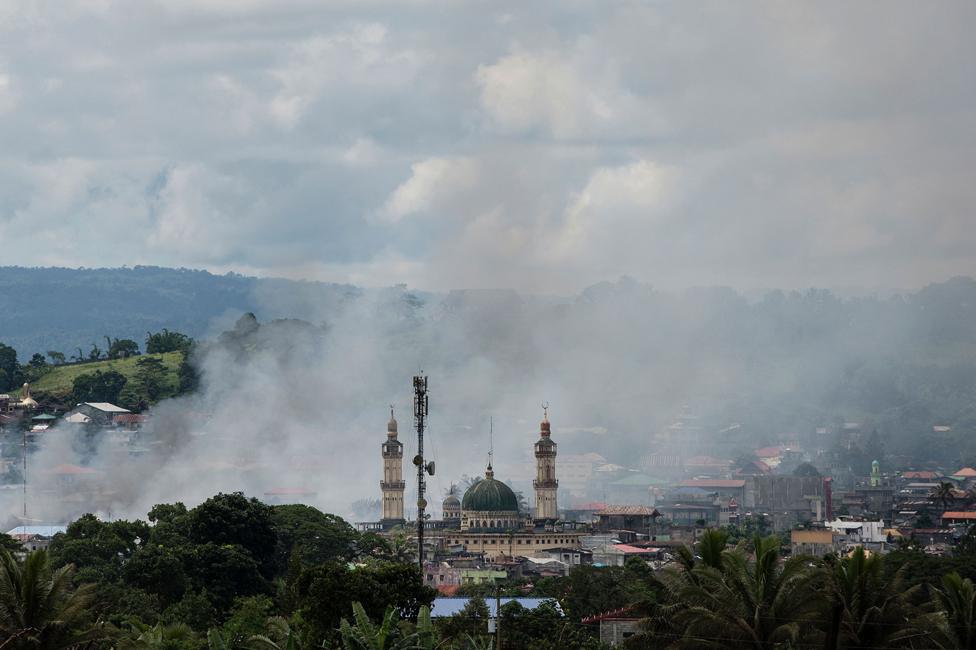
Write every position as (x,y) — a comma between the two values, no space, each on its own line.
(443,144)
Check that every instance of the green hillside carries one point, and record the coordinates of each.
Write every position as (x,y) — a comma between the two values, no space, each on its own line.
(56,383)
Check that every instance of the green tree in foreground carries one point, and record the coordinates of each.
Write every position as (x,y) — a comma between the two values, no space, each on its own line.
(756,602)
(175,636)
(954,621)
(39,609)
(863,610)
(280,636)
(363,634)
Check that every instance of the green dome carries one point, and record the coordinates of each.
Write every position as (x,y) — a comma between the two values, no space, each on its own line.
(489,495)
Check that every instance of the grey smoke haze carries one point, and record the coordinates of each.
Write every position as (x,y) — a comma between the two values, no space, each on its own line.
(543,147)
(300,405)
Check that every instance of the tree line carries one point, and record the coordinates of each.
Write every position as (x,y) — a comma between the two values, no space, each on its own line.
(149,383)
(236,573)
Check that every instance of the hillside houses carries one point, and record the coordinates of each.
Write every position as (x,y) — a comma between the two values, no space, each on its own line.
(99,413)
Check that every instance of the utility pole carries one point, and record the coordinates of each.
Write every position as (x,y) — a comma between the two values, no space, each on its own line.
(25,478)
(420,421)
(498,618)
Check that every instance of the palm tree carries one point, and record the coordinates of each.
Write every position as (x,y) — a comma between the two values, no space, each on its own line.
(864,611)
(280,636)
(708,552)
(217,640)
(745,602)
(38,608)
(401,550)
(157,637)
(955,620)
(943,493)
(366,635)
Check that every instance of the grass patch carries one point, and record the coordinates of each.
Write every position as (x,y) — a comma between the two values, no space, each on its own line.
(58,381)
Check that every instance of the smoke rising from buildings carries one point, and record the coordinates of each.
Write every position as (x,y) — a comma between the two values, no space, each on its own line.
(301,405)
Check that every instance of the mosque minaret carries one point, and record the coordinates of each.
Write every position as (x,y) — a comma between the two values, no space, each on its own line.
(487,519)
(545,482)
(392,484)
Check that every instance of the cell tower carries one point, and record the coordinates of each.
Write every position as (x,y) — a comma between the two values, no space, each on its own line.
(420,421)
(25,478)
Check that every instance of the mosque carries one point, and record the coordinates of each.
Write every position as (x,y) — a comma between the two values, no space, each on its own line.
(487,519)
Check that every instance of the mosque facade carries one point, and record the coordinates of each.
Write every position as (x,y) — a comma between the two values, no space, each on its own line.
(487,518)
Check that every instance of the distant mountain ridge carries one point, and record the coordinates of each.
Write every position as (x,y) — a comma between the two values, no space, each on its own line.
(620,355)
(63,309)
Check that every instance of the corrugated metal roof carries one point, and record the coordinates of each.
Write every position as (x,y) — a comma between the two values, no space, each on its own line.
(714,483)
(958,515)
(626,510)
(43,531)
(450,606)
(107,407)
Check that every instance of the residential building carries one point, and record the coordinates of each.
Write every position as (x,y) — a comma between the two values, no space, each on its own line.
(100,413)
(816,542)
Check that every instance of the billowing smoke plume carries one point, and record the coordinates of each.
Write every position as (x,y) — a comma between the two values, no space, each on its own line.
(301,406)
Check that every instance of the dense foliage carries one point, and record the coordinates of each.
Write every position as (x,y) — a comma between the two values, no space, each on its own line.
(236,573)
(228,564)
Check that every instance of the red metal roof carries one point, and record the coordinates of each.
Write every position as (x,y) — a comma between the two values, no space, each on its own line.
(611,615)
(919,474)
(627,548)
(957,514)
(966,472)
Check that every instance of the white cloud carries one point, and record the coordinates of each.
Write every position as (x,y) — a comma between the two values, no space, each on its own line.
(360,56)
(618,204)
(432,182)
(453,144)
(199,212)
(567,96)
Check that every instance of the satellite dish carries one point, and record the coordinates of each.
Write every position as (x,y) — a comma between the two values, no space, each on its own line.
(430,468)
(421,503)
(417,459)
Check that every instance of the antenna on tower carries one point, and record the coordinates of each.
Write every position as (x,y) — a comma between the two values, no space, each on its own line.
(420,421)
(25,479)
(545,410)
(491,440)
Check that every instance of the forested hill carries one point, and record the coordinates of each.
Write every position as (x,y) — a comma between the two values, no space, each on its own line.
(621,355)
(60,309)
